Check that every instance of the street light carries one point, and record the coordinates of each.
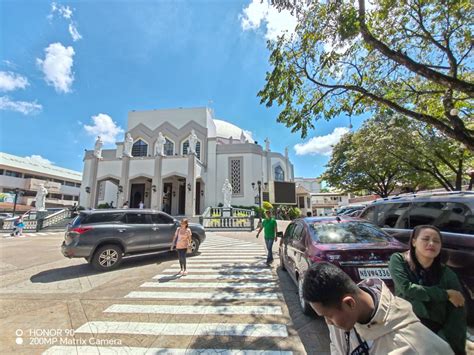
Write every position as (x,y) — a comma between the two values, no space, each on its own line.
(258,200)
(17,190)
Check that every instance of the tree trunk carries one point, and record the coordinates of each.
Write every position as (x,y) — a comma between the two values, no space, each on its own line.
(459,174)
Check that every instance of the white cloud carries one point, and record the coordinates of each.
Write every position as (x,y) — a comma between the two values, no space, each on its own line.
(104,127)
(57,66)
(38,159)
(23,107)
(321,145)
(67,13)
(9,64)
(64,11)
(10,81)
(74,33)
(260,12)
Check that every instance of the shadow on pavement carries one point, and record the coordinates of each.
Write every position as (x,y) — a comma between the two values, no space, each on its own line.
(312,330)
(75,271)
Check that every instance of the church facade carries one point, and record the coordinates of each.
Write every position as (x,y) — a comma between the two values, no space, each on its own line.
(177,160)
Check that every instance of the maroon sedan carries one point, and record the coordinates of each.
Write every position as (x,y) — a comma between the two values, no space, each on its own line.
(358,247)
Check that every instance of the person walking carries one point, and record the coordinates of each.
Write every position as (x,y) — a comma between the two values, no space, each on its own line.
(141,205)
(269,225)
(18,226)
(181,241)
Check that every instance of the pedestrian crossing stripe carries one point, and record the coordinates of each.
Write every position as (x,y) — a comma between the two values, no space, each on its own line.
(220,264)
(247,245)
(178,309)
(102,350)
(216,277)
(227,257)
(237,252)
(227,296)
(213,285)
(236,246)
(222,270)
(195,329)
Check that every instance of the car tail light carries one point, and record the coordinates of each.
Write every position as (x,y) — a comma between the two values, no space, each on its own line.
(81,230)
(317,258)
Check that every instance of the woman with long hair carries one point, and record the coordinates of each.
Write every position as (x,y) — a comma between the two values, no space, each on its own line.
(181,241)
(431,287)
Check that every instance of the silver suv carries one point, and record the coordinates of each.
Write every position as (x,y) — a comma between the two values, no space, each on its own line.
(451,212)
(103,237)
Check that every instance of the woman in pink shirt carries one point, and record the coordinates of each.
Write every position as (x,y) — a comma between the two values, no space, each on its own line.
(181,241)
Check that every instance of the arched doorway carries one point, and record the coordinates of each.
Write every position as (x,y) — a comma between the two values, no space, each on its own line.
(140,191)
(107,193)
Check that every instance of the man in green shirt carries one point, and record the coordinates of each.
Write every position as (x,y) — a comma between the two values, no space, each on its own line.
(269,226)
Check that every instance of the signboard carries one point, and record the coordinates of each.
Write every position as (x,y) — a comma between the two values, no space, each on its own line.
(282,192)
(51,186)
(7,197)
(257,200)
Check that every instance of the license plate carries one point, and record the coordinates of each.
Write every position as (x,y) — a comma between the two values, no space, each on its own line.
(380,272)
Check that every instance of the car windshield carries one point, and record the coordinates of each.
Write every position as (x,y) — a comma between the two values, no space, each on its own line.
(347,232)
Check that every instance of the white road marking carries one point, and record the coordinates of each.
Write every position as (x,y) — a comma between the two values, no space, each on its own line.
(226,253)
(223,270)
(226,263)
(102,350)
(216,277)
(210,284)
(174,309)
(204,295)
(227,257)
(213,329)
(219,265)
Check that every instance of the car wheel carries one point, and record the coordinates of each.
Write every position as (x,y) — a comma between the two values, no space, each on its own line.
(305,307)
(194,245)
(282,264)
(107,257)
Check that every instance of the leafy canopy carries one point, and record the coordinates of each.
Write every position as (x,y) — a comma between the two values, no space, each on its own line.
(409,56)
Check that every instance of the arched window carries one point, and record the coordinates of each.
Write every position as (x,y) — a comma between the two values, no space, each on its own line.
(140,149)
(168,147)
(198,148)
(279,174)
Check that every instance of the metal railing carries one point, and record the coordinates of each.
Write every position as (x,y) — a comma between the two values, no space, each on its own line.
(56,217)
(38,224)
(220,218)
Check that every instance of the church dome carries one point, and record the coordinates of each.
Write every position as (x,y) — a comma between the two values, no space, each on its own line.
(225,130)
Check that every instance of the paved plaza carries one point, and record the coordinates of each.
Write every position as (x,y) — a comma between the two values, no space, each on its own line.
(229,303)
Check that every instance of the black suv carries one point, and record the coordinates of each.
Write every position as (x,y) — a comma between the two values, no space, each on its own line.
(452,213)
(103,237)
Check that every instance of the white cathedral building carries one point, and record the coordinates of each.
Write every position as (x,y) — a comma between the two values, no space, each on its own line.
(157,166)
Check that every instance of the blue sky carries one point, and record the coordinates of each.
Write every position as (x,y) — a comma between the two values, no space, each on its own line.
(71,70)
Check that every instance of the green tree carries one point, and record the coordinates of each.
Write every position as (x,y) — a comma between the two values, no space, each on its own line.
(409,56)
(356,164)
(423,150)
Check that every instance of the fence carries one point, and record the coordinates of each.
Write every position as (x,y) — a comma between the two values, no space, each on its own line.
(220,218)
(37,224)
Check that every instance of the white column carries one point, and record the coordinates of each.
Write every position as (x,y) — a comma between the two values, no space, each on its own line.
(191,181)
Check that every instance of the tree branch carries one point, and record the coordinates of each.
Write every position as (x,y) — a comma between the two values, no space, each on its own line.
(409,63)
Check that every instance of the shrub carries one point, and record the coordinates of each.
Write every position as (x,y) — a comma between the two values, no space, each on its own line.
(267,206)
(103,205)
(294,212)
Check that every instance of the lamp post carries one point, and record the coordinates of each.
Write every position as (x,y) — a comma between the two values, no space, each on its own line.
(258,200)
(17,190)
